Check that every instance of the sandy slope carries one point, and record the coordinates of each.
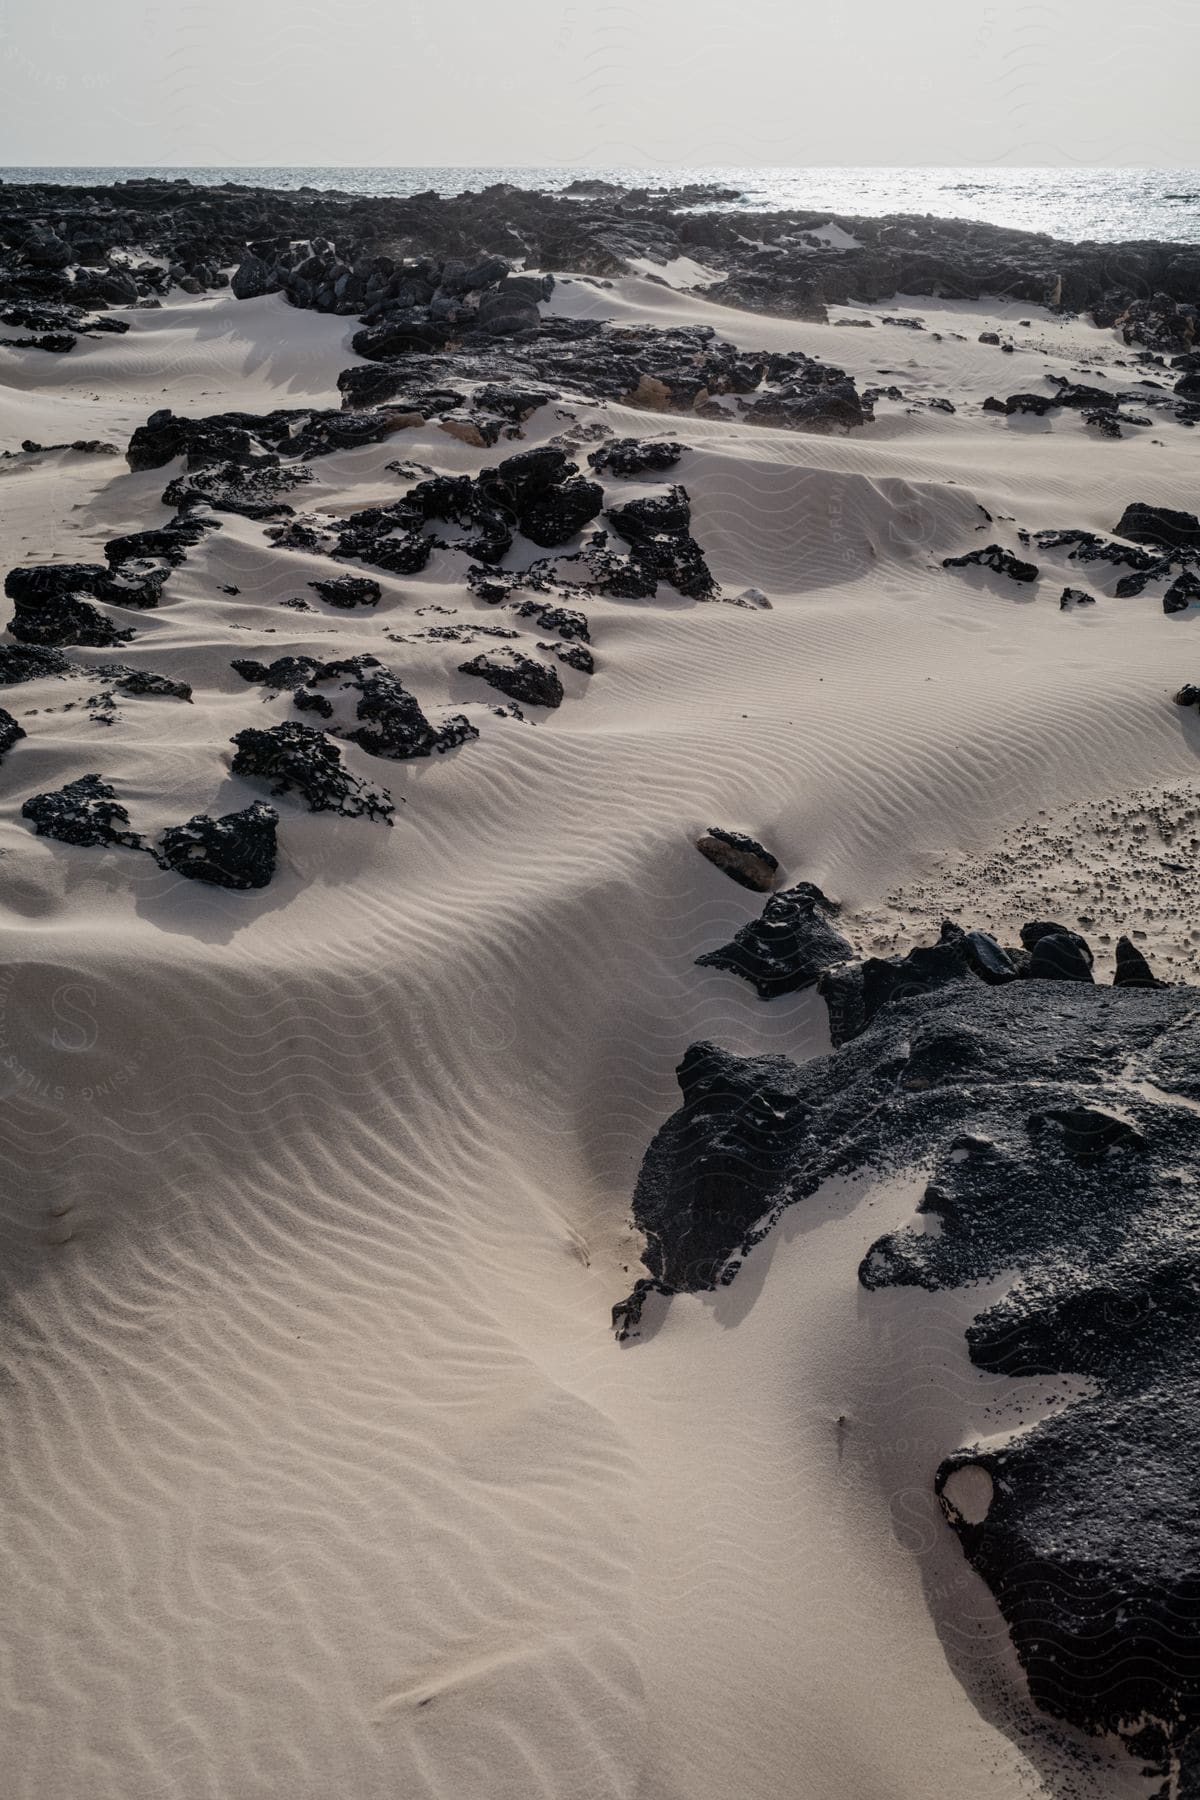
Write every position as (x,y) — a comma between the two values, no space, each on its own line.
(323,1472)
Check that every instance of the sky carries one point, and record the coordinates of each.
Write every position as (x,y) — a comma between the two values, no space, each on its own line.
(529,82)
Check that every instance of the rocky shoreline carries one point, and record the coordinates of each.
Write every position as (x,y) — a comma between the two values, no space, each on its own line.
(86,249)
(1061,1116)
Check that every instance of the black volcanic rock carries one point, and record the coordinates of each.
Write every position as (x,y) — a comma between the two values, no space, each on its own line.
(168,543)
(57,619)
(512,305)
(1084,398)
(85,812)
(1055,953)
(291,755)
(143,681)
(854,992)
(255,440)
(1037,404)
(1183,591)
(235,487)
(537,492)
(35,584)
(561,513)
(543,493)
(996,558)
(1053,1126)
(1159,525)
(391,722)
(252,277)
(26,662)
(788,947)
(740,857)
(636,456)
(387,719)
(568,621)
(521,677)
(1133,970)
(284,672)
(236,850)
(10,732)
(349,590)
(410,265)
(657,529)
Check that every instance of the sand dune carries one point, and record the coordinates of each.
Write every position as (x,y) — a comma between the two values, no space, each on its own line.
(324,1473)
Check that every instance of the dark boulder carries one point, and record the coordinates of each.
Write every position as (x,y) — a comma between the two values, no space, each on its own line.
(996,558)
(235,487)
(788,947)
(511,307)
(35,584)
(85,812)
(296,756)
(1133,970)
(144,681)
(1159,525)
(1183,591)
(635,456)
(521,677)
(1079,395)
(10,732)
(236,850)
(566,620)
(1055,953)
(661,548)
(284,672)
(855,992)
(165,543)
(62,619)
(740,857)
(1037,404)
(253,277)
(349,590)
(156,443)
(27,662)
(1048,1125)
(561,513)
(391,723)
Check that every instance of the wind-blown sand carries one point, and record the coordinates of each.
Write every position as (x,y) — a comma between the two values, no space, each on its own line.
(324,1474)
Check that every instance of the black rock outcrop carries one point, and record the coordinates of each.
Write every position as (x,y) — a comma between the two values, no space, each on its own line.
(1056,1122)
(348,590)
(236,850)
(10,732)
(28,662)
(996,558)
(85,812)
(788,947)
(1159,525)
(521,677)
(1132,968)
(636,456)
(293,756)
(661,548)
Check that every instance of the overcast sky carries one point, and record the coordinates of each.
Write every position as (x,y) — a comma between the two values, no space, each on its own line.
(321,82)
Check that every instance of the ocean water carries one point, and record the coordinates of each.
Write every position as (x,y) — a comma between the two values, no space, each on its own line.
(1106,205)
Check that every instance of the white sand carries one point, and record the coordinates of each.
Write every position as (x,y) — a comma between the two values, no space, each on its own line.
(324,1475)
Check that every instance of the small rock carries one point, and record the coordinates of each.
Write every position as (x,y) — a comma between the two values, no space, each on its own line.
(742,858)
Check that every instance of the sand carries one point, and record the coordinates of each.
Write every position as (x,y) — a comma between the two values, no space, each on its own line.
(323,1472)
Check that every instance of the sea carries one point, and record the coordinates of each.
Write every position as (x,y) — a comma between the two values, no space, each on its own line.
(1104,205)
